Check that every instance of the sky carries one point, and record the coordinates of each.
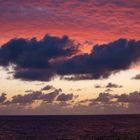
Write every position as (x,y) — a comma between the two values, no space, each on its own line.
(69,57)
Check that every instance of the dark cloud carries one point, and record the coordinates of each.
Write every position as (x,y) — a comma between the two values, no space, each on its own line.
(2,97)
(32,96)
(31,58)
(26,98)
(108,90)
(29,91)
(50,96)
(48,87)
(61,103)
(109,85)
(45,59)
(112,85)
(137,77)
(98,86)
(35,95)
(34,74)
(35,54)
(65,97)
(104,98)
(133,97)
(103,61)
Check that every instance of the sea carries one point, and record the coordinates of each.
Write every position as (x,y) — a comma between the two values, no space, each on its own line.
(70,127)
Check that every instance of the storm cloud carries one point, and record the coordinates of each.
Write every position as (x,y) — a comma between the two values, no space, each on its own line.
(31,58)
(54,56)
(103,60)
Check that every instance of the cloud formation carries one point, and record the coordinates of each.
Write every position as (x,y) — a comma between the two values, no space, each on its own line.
(101,21)
(103,60)
(3,98)
(48,87)
(112,85)
(31,97)
(137,77)
(109,86)
(54,56)
(65,97)
(105,98)
(31,58)
(60,103)
(26,98)
(35,54)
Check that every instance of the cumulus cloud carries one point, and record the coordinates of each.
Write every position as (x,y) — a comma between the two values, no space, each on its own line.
(98,86)
(2,97)
(50,96)
(105,98)
(103,61)
(48,87)
(65,97)
(137,77)
(26,98)
(32,58)
(109,86)
(133,97)
(35,54)
(54,56)
(30,97)
(112,85)
(107,103)
(108,90)
(104,103)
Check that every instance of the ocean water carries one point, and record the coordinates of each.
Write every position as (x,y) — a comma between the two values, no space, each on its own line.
(98,127)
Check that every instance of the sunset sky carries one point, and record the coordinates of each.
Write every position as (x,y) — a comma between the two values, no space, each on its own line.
(69,57)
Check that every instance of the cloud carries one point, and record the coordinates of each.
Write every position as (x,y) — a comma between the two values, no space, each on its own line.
(103,61)
(65,97)
(34,74)
(30,97)
(50,96)
(48,87)
(102,21)
(26,53)
(2,98)
(54,56)
(98,86)
(137,77)
(106,103)
(108,86)
(26,98)
(108,90)
(133,97)
(57,103)
(111,85)
(103,98)
(35,95)
(31,58)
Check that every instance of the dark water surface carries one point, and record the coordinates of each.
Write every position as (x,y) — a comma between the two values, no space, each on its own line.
(70,127)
